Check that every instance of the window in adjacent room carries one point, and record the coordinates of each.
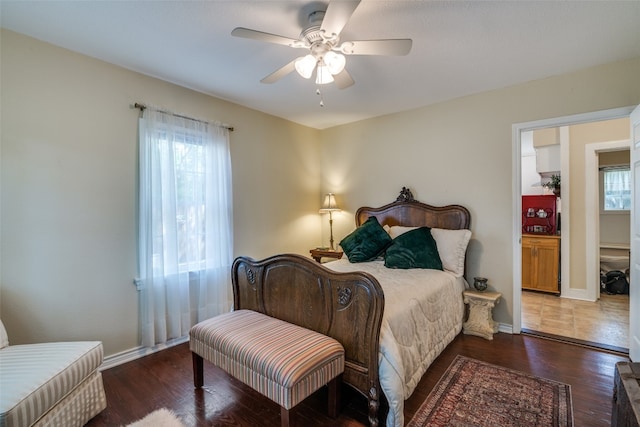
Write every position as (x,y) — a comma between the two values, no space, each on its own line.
(616,183)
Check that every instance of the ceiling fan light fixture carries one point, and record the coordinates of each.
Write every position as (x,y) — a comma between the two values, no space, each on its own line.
(322,37)
(305,66)
(335,62)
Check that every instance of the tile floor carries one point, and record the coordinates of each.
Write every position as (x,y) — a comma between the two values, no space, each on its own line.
(605,321)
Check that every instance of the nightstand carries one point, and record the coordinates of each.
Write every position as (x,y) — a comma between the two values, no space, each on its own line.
(480,321)
(318,254)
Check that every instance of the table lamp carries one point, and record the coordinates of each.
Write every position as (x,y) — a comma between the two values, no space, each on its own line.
(329,205)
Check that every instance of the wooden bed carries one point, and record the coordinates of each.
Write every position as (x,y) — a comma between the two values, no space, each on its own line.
(346,306)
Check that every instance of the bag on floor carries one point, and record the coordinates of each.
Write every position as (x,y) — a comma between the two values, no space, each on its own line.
(615,282)
(603,281)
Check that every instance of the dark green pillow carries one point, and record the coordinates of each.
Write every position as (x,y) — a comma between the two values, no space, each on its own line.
(366,242)
(413,249)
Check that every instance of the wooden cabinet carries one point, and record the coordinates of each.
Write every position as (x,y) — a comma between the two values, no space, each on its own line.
(540,263)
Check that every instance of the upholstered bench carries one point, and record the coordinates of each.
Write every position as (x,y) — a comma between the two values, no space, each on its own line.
(50,384)
(282,361)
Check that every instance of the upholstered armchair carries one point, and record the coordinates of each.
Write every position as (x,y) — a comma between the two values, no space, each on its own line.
(50,384)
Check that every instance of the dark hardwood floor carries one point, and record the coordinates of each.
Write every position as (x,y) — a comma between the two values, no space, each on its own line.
(165,379)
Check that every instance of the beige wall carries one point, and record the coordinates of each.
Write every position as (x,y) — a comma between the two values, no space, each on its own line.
(461,152)
(68,175)
(615,158)
(549,136)
(69,167)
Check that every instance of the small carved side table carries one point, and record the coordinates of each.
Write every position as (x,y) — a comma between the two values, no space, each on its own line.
(480,321)
(318,254)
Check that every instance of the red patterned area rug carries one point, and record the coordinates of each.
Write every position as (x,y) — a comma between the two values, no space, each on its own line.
(475,393)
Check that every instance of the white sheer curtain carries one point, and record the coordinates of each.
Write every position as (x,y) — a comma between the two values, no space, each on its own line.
(617,189)
(185,240)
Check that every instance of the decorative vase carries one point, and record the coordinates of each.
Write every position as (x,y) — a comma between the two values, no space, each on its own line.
(480,283)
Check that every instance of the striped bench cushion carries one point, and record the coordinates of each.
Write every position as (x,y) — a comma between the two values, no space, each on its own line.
(282,361)
(35,377)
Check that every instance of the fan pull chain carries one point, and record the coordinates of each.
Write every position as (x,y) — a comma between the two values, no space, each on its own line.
(319,93)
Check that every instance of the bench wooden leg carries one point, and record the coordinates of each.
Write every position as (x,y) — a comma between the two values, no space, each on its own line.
(335,386)
(286,417)
(198,370)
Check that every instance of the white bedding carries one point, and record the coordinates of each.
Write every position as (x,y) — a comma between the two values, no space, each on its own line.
(423,313)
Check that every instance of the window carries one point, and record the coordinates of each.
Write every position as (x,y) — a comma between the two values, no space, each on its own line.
(616,189)
(191,207)
(185,241)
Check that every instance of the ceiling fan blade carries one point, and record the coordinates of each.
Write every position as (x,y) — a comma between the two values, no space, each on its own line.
(343,79)
(337,15)
(394,47)
(264,37)
(280,73)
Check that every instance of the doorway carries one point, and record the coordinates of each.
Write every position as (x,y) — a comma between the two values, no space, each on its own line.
(582,291)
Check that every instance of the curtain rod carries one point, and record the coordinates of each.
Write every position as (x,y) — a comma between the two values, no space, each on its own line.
(143,107)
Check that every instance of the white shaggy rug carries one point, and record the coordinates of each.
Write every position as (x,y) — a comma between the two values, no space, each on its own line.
(159,418)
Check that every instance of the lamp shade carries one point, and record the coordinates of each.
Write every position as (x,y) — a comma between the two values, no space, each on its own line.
(329,204)
(305,66)
(335,62)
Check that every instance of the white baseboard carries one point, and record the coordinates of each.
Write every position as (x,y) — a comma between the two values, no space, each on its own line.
(507,329)
(579,294)
(138,352)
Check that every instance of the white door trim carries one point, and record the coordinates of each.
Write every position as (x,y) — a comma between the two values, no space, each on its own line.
(634,291)
(565,240)
(592,210)
(516,188)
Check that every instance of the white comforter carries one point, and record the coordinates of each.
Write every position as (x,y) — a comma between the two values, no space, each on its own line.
(423,313)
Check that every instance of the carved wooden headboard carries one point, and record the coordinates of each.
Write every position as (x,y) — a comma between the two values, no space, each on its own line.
(409,212)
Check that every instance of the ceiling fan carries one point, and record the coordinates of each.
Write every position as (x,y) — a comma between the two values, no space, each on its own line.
(322,39)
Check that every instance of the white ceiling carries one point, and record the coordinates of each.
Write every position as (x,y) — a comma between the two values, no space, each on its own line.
(459,47)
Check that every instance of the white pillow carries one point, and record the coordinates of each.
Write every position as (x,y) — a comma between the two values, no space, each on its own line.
(397,230)
(4,338)
(452,247)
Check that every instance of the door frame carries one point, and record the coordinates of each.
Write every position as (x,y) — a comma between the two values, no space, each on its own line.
(516,189)
(592,209)
(634,297)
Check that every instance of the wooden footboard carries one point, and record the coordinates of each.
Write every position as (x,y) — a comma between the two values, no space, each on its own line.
(345,306)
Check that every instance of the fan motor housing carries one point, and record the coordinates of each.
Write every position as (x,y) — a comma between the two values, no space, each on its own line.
(314,35)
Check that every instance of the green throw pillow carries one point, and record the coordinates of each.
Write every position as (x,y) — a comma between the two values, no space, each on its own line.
(413,249)
(366,242)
